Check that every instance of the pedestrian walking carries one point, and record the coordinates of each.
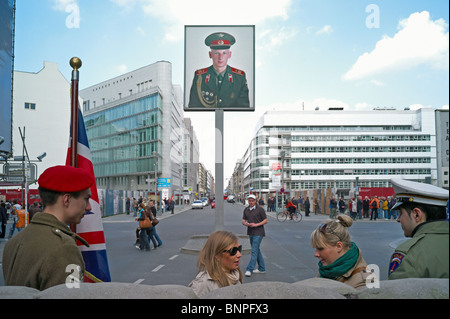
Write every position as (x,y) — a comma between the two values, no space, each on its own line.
(316,206)
(153,212)
(340,259)
(333,207)
(144,225)
(3,218)
(218,263)
(39,255)
(423,219)
(307,206)
(254,218)
(135,207)
(172,206)
(366,207)
(342,206)
(127,206)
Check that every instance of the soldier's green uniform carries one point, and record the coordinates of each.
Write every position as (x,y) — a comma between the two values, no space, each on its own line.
(38,256)
(212,90)
(425,255)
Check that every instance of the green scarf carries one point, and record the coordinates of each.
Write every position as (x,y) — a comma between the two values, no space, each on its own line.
(341,265)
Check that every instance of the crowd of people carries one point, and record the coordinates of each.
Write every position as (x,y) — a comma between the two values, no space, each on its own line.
(421,212)
(41,264)
(359,208)
(19,216)
(133,205)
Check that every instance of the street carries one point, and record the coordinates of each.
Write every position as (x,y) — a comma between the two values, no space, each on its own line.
(286,247)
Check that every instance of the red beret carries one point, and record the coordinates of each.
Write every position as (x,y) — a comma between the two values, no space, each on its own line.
(66,179)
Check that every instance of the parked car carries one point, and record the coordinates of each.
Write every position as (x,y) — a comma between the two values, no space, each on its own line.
(230,199)
(205,201)
(197,204)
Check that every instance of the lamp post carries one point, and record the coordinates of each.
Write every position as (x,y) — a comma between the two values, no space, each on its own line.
(155,165)
(25,161)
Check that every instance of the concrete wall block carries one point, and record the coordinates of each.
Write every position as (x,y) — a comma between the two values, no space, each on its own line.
(314,288)
(272,290)
(118,291)
(13,292)
(336,286)
(409,288)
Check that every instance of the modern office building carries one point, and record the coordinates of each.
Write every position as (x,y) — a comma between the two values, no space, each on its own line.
(332,149)
(191,162)
(135,128)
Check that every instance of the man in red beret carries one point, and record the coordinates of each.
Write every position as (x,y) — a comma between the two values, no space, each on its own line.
(45,253)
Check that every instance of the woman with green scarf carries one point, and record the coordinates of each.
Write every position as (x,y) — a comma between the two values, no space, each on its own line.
(339,258)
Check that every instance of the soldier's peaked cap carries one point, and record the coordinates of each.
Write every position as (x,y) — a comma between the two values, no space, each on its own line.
(421,193)
(220,41)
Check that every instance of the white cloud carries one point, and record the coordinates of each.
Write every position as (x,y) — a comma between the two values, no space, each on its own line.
(174,14)
(419,40)
(141,31)
(326,29)
(62,5)
(377,83)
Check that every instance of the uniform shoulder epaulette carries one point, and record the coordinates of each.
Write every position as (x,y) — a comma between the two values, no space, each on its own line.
(201,71)
(407,245)
(237,71)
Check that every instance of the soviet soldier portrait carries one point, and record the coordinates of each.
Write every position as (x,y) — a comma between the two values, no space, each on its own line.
(219,85)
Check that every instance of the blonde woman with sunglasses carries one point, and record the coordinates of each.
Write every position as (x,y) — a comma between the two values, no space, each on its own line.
(339,258)
(218,263)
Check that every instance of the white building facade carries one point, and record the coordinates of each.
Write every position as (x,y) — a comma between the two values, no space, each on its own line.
(311,150)
(135,128)
(41,109)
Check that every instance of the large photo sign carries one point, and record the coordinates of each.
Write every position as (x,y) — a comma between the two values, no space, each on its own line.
(219,68)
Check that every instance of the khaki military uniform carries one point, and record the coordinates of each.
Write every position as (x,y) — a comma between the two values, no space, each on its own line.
(425,255)
(211,90)
(39,255)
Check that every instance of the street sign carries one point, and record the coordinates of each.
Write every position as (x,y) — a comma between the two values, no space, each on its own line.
(14,172)
(282,190)
(164,182)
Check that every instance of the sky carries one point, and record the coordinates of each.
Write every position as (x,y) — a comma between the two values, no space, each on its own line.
(351,53)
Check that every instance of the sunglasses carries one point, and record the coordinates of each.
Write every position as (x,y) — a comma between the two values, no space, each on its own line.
(233,251)
(323,228)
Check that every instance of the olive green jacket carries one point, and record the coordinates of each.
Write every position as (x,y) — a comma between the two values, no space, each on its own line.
(425,255)
(43,255)
(206,92)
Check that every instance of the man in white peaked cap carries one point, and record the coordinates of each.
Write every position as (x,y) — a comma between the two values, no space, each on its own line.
(423,218)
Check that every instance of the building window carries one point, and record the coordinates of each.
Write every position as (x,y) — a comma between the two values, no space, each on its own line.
(30,106)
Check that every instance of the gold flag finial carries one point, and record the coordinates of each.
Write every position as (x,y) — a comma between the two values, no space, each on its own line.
(75,63)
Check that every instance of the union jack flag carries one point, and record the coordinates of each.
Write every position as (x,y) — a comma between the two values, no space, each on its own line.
(91,227)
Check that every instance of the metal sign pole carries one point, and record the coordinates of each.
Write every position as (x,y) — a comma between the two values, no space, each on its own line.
(219,214)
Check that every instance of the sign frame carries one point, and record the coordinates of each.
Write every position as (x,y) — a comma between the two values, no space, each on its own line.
(196,57)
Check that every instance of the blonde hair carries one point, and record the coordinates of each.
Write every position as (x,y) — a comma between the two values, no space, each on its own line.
(332,231)
(209,258)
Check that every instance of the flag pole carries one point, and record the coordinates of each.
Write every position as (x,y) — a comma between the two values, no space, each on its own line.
(75,63)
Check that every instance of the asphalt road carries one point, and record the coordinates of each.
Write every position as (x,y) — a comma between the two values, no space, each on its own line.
(286,248)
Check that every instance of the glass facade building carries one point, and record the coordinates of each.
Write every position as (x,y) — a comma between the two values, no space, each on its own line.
(123,138)
(135,126)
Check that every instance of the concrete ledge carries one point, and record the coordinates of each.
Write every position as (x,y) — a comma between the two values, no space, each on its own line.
(272,290)
(314,288)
